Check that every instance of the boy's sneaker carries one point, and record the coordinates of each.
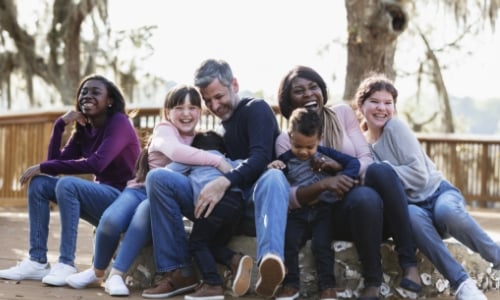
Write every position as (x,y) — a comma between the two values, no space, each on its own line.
(328,294)
(115,286)
(58,274)
(271,274)
(83,279)
(207,292)
(26,269)
(241,271)
(468,291)
(287,293)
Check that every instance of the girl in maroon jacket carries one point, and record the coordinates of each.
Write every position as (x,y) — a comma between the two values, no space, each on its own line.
(103,143)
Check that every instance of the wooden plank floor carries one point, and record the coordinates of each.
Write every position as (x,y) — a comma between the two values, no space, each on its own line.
(14,238)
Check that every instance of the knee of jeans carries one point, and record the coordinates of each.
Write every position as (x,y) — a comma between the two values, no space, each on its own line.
(162,177)
(108,223)
(449,207)
(36,184)
(153,176)
(67,184)
(378,170)
(275,176)
(364,198)
(273,183)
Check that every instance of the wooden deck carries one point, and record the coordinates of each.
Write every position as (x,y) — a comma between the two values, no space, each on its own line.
(14,236)
(472,163)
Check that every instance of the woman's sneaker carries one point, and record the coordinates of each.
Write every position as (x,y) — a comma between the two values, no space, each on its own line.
(58,274)
(115,286)
(83,279)
(26,269)
(468,291)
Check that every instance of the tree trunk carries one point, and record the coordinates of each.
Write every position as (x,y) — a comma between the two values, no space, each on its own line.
(373,29)
(446,115)
(61,67)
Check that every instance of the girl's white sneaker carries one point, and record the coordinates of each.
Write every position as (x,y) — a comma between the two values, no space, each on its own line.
(115,286)
(83,279)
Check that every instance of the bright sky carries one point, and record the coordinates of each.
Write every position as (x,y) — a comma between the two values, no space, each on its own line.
(263,39)
(260,39)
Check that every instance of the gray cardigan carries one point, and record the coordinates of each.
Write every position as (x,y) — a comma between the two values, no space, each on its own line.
(399,147)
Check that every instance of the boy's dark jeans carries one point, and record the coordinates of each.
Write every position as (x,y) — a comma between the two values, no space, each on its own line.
(209,236)
(315,223)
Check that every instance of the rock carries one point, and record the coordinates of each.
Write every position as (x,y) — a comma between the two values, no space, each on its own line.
(347,270)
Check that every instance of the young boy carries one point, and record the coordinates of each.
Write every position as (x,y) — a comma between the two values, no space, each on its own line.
(306,163)
(209,235)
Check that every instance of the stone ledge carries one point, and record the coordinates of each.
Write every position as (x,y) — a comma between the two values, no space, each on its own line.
(348,270)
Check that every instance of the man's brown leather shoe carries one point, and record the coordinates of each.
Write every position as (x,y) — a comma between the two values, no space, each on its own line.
(171,284)
(207,291)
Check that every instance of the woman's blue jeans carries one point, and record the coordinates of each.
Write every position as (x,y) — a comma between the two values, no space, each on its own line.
(128,215)
(77,198)
(444,215)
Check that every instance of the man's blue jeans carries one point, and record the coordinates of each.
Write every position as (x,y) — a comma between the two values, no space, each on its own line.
(171,198)
(77,198)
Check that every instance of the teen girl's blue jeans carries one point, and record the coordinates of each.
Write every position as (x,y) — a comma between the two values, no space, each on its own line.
(129,214)
(77,198)
(171,198)
(444,215)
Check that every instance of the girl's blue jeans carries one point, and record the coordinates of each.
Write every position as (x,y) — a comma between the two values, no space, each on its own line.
(444,215)
(76,198)
(128,215)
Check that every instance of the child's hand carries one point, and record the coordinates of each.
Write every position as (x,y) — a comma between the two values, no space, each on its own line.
(325,164)
(74,116)
(277,164)
(29,173)
(224,166)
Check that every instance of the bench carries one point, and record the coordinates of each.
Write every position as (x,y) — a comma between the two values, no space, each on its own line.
(347,270)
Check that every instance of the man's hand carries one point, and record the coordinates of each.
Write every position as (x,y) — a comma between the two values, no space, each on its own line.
(210,195)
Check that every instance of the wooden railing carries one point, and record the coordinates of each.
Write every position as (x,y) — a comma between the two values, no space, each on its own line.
(471,163)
